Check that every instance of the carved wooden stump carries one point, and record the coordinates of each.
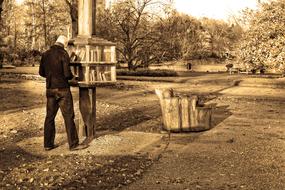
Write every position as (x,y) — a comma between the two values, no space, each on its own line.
(183,113)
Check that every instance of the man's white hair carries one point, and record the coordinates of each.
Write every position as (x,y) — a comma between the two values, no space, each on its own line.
(62,40)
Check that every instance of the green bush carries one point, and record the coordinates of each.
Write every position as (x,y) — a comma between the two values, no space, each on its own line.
(147,72)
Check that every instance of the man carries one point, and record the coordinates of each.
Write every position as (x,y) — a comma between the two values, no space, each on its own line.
(54,67)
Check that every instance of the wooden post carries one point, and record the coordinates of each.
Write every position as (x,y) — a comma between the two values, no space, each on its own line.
(90,52)
(85,17)
(87,106)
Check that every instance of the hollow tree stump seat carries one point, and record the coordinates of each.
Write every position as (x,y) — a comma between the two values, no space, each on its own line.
(181,114)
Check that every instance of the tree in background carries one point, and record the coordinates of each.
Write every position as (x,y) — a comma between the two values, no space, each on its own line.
(186,37)
(46,19)
(1,3)
(129,23)
(263,43)
(218,35)
(178,35)
(11,28)
(73,12)
(146,31)
(34,25)
(1,36)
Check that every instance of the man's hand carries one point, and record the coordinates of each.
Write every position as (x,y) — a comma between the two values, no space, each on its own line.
(74,81)
(75,78)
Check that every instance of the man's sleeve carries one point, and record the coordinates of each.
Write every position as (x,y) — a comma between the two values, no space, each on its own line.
(66,69)
(42,68)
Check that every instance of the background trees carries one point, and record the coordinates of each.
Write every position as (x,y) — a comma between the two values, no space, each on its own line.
(222,36)
(73,12)
(36,22)
(144,38)
(1,3)
(130,24)
(263,43)
(32,26)
(179,36)
(146,31)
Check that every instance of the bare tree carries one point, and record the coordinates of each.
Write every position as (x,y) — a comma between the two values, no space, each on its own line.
(73,11)
(129,23)
(1,2)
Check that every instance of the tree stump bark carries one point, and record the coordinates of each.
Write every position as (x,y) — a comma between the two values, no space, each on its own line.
(183,113)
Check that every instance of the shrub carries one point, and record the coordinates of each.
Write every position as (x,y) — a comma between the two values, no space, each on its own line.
(147,72)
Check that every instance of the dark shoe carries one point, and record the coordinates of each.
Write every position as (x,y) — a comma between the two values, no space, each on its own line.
(50,148)
(79,147)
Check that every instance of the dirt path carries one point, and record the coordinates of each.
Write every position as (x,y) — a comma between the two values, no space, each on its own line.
(245,149)
(24,165)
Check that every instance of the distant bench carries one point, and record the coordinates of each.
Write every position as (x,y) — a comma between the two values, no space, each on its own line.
(239,70)
(234,70)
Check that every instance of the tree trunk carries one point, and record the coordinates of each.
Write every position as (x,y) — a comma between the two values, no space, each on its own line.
(1,56)
(73,11)
(1,2)
(44,22)
(130,65)
(33,45)
(74,19)
(183,113)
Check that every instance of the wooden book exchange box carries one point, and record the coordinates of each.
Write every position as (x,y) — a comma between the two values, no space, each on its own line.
(93,64)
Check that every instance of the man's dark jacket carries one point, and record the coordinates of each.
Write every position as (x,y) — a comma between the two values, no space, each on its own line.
(55,67)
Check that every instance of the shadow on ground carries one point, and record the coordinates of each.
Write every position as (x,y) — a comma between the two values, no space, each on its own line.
(127,118)
(120,171)
(14,97)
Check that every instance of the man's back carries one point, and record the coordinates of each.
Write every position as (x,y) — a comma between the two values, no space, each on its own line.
(54,67)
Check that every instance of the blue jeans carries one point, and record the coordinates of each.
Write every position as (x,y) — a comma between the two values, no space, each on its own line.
(60,98)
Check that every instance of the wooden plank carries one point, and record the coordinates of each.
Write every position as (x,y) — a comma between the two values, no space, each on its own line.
(192,110)
(162,94)
(185,114)
(87,106)
(204,118)
(172,114)
(96,84)
(162,106)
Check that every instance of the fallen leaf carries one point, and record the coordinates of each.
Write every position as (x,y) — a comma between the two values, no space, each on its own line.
(31,180)
(13,131)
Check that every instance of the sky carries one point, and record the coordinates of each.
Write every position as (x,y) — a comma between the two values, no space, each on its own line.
(19,1)
(217,9)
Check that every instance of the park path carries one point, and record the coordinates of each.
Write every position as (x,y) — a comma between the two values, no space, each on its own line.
(245,149)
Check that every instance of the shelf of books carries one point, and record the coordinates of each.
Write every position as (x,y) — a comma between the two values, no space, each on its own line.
(93,65)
